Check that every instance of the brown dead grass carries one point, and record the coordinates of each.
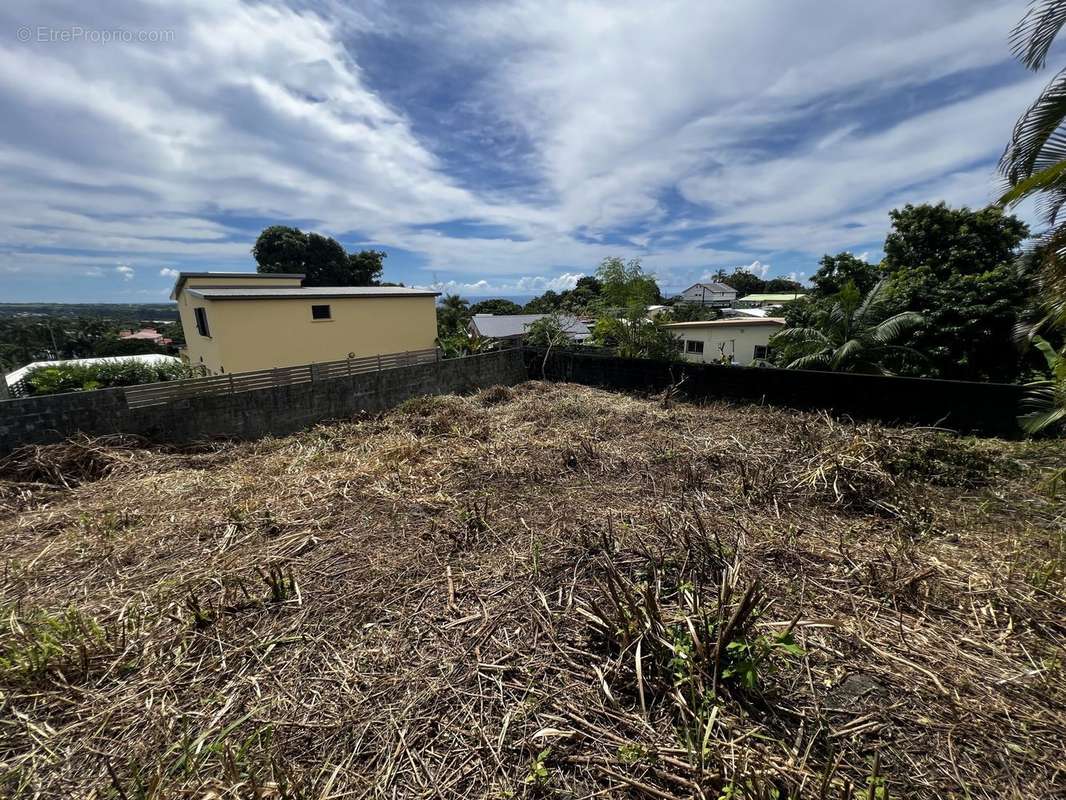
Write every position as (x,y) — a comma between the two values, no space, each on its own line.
(499,596)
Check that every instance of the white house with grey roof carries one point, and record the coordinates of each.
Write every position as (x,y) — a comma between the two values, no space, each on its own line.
(711,295)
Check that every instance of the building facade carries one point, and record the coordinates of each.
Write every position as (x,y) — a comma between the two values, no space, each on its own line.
(726,341)
(240,322)
(710,295)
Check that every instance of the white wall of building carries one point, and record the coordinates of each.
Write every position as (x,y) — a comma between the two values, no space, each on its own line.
(738,341)
(705,295)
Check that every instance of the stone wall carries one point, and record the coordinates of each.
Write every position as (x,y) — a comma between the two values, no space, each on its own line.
(276,410)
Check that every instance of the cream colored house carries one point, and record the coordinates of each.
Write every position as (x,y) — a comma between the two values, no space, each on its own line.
(732,341)
(240,321)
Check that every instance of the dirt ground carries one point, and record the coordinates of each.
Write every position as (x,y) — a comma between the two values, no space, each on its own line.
(546,591)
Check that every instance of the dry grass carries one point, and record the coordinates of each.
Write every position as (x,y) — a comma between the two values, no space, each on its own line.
(551,591)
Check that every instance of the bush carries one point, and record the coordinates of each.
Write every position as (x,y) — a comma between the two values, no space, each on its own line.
(102,375)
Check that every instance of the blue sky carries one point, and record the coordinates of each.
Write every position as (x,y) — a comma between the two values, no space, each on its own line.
(499,147)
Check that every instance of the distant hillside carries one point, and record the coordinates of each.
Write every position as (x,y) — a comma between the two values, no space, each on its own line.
(118,311)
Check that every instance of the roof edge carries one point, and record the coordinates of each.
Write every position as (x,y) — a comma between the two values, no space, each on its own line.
(184,276)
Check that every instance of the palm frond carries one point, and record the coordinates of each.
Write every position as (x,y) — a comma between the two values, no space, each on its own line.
(874,299)
(1053,177)
(845,353)
(1033,144)
(1033,36)
(813,361)
(799,336)
(889,330)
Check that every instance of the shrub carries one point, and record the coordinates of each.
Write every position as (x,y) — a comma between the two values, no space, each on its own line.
(101,375)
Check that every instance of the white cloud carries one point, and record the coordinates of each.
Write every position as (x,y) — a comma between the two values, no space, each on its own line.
(525,285)
(757,268)
(93,272)
(621,115)
(167,272)
(125,272)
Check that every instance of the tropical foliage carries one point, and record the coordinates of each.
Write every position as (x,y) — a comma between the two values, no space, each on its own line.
(102,375)
(1046,403)
(852,335)
(453,314)
(322,259)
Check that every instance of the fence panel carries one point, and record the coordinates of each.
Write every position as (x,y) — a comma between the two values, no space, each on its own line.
(154,394)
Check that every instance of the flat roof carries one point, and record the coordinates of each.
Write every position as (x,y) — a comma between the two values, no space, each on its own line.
(733,322)
(306,292)
(184,276)
(781,296)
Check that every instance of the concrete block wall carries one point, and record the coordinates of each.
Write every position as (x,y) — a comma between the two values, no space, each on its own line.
(276,410)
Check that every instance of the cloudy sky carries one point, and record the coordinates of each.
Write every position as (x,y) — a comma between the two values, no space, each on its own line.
(497,147)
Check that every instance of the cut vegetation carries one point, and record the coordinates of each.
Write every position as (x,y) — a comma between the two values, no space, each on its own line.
(544,591)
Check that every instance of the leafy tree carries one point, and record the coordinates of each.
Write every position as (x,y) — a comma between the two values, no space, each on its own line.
(124,347)
(951,241)
(1034,162)
(854,335)
(955,268)
(453,314)
(743,281)
(625,284)
(365,267)
(635,336)
(321,259)
(547,303)
(834,271)
(783,285)
(495,306)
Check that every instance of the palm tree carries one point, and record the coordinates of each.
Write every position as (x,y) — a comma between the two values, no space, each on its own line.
(852,336)
(1034,162)
(1046,399)
(452,315)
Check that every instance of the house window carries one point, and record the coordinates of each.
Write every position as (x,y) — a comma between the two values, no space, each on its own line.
(760,351)
(692,346)
(320,312)
(201,322)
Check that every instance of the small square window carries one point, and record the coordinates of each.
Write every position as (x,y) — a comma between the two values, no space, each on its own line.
(201,322)
(692,346)
(320,312)
(760,351)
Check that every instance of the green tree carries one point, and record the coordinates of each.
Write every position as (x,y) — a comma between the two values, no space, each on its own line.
(635,336)
(1034,161)
(547,303)
(854,335)
(113,346)
(453,314)
(783,285)
(956,268)
(625,285)
(321,259)
(497,306)
(834,271)
(952,241)
(744,282)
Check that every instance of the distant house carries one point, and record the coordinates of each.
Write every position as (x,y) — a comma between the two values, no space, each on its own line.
(767,300)
(241,321)
(146,334)
(731,341)
(512,328)
(712,295)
